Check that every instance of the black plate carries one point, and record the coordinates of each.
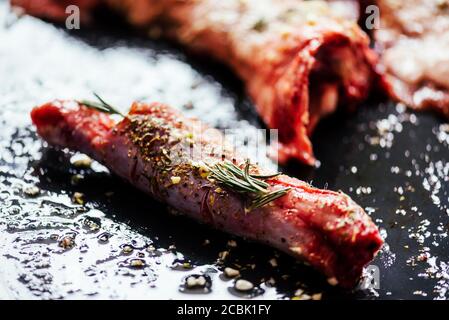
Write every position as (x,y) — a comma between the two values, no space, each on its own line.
(392,162)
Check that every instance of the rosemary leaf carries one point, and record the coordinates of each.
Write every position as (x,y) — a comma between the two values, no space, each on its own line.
(268,176)
(250,180)
(241,181)
(260,26)
(267,198)
(102,106)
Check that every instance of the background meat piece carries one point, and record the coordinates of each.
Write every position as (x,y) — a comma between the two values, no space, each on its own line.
(414,41)
(299,60)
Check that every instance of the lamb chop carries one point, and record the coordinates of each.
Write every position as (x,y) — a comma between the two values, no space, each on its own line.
(299,61)
(192,169)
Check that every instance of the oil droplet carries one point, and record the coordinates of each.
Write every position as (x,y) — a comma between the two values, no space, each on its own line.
(31,191)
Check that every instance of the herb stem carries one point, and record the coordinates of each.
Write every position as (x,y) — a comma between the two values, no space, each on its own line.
(241,181)
(102,106)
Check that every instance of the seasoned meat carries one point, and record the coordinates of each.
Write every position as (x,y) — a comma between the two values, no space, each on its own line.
(56,9)
(181,162)
(414,41)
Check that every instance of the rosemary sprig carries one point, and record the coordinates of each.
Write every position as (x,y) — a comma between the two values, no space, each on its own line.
(260,26)
(264,199)
(241,181)
(102,106)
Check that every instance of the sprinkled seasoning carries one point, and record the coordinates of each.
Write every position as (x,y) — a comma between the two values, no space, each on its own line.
(232,243)
(260,26)
(192,282)
(197,283)
(299,292)
(273,262)
(243,285)
(159,145)
(92,224)
(231,272)
(78,198)
(137,263)
(188,106)
(223,255)
(287,15)
(302,297)
(332,281)
(182,264)
(203,171)
(127,249)
(317,296)
(175,180)
(31,191)
(104,237)
(67,242)
(312,20)
(81,161)
(76,179)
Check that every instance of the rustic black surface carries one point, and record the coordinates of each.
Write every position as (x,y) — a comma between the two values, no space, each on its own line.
(392,162)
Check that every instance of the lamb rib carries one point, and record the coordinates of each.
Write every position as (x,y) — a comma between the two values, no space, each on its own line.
(152,147)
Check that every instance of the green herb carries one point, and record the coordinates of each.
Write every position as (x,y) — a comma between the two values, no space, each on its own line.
(101,105)
(241,181)
(264,199)
(260,26)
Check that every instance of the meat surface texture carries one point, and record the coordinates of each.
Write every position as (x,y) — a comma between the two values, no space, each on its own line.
(168,156)
(414,41)
(299,60)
